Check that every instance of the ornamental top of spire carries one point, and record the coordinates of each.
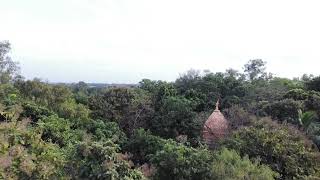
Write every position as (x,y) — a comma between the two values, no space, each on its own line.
(217,105)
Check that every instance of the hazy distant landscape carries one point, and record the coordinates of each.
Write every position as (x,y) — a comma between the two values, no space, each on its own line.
(101,85)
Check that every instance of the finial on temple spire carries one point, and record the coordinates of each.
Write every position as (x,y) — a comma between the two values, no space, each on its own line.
(217,105)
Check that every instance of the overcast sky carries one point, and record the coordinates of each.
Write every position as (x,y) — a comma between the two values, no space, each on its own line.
(123,41)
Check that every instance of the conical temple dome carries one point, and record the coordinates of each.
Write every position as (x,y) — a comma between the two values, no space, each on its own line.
(215,128)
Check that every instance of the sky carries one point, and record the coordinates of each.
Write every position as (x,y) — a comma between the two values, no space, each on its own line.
(124,41)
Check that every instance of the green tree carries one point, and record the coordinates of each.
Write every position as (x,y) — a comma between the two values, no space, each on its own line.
(51,96)
(229,165)
(174,118)
(143,145)
(101,160)
(72,110)
(307,118)
(178,162)
(130,108)
(34,90)
(313,84)
(105,131)
(255,69)
(205,90)
(173,160)
(312,103)
(34,111)
(284,110)
(237,117)
(8,68)
(9,95)
(59,131)
(24,155)
(81,92)
(296,94)
(285,149)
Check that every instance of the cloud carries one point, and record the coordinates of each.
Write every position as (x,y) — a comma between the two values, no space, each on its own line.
(124,41)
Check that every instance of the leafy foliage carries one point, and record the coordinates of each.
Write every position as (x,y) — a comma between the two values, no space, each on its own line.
(176,161)
(296,94)
(143,145)
(314,84)
(35,112)
(8,68)
(101,160)
(237,117)
(229,165)
(255,69)
(59,131)
(175,118)
(129,108)
(286,150)
(24,155)
(284,110)
(180,162)
(307,118)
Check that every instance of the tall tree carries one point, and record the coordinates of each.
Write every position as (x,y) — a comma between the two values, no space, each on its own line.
(130,108)
(8,68)
(255,69)
(313,84)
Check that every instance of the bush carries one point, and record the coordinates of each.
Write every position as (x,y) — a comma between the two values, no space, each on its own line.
(313,102)
(72,110)
(229,165)
(143,145)
(172,160)
(296,94)
(284,110)
(101,160)
(283,148)
(59,131)
(130,108)
(176,117)
(8,94)
(35,112)
(237,116)
(314,84)
(102,131)
(178,162)
(23,155)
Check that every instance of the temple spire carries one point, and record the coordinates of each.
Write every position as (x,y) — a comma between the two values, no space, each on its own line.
(215,128)
(217,105)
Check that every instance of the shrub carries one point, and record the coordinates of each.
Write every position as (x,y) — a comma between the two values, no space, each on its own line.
(237,116)
(176,117)
(35,112)
(283,148)
(284,110)
(175,161)
(229,165)
(296,94)
(178,162)
(314,84)
(101,160)
(24,155)
(142,145)
(59,131)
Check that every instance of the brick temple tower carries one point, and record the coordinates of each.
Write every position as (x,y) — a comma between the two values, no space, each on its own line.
(215,128)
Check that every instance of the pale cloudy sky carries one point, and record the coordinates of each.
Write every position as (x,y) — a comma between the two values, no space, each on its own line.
(123,41)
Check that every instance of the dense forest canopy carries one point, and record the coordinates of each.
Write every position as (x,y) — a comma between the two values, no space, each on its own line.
(153,130)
